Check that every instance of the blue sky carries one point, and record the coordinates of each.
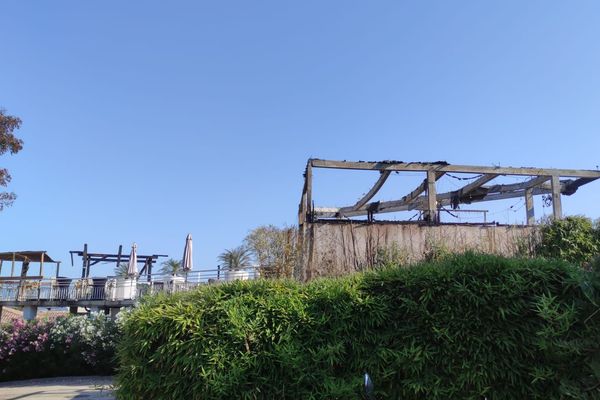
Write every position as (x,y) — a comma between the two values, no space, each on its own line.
(145,120)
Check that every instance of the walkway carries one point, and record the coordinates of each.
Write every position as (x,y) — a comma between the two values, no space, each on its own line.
(80,387)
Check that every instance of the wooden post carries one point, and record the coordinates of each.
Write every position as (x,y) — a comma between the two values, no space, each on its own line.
(119,255)
(0,267)
(85,261)
(529,206)
(556,200)
(149,261)
(12,268)
(432,212)
(309,191)
(57,268)
(42,264)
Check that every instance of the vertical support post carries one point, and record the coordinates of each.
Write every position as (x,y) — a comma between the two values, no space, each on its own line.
(29,313)
(556,200)
(42,264)
(529,206)
(309,190)
(0,267)
(219,272)
(119,255)
(432,210)
(113,312)
(57,268)
(85,261)
(0,312)
(12,268)
(149,261)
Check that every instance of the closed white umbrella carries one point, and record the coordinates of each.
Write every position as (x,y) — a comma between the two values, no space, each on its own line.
(132,270)
(186,261)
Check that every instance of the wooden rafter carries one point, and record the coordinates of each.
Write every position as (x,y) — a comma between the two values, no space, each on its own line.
(425,197)
(370,194)
(444,199)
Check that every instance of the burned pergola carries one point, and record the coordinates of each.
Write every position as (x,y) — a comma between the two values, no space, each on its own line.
(541,181)
(90,259)
(26,257)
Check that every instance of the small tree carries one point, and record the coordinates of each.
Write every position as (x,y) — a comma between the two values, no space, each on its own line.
(171,267)
(572,239)
(274,249)
(236,259)
(8,142)
(122,270)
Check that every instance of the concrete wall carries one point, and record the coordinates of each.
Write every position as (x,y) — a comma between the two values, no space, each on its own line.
(335,248)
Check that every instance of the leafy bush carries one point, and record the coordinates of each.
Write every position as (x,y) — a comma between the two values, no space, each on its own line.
(574,239)
(74,345)
(465,327)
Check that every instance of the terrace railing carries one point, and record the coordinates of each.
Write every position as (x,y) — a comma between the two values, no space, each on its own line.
(112,288)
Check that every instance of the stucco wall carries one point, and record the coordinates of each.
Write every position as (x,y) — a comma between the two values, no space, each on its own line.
(337,248)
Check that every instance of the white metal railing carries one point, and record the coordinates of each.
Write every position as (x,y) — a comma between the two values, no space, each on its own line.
(113,288)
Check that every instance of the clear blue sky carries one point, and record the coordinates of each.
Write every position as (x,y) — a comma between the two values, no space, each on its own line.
(147,120)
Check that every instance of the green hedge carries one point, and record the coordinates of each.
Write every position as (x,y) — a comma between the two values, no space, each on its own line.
(466,327)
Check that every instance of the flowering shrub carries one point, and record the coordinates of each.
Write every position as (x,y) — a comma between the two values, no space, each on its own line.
(73,345)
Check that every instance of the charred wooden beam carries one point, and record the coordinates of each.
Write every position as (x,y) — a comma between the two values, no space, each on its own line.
(370,194)
(445,167)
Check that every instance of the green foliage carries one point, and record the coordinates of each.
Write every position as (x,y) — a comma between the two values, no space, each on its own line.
(390,255)
(574,239)
(122,270)
(171,267)
(8,143)
(74,345)
(465,327)
(274,249)
(234,259)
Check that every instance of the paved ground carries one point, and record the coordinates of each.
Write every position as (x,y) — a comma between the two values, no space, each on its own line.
(80,387)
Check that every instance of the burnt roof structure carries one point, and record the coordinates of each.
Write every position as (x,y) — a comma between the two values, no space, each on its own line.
(27,256)
(542,181)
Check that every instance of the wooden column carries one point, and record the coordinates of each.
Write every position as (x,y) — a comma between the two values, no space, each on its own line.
(529,206)
(309,191)
(12,267)
(42,265)
(556,200)
(85,261)
(149,263)
(432,211)
(119,255)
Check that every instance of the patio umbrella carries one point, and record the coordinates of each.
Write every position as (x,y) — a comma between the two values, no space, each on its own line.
(132,270)
(186,262)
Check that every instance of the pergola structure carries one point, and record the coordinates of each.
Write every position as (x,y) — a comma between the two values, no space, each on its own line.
(26,257)
(541,181)
(90,259)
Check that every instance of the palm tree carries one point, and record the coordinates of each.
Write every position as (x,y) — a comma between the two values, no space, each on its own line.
(121,270)
(235,259)
(171,267)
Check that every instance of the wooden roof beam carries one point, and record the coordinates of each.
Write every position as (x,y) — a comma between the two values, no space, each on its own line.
(445,167)
(409,198)
(370,194)
(477,183)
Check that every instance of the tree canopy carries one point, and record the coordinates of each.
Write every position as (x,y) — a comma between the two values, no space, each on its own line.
(8,143)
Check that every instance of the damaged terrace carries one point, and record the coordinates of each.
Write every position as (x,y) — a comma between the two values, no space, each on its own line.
(337,240)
